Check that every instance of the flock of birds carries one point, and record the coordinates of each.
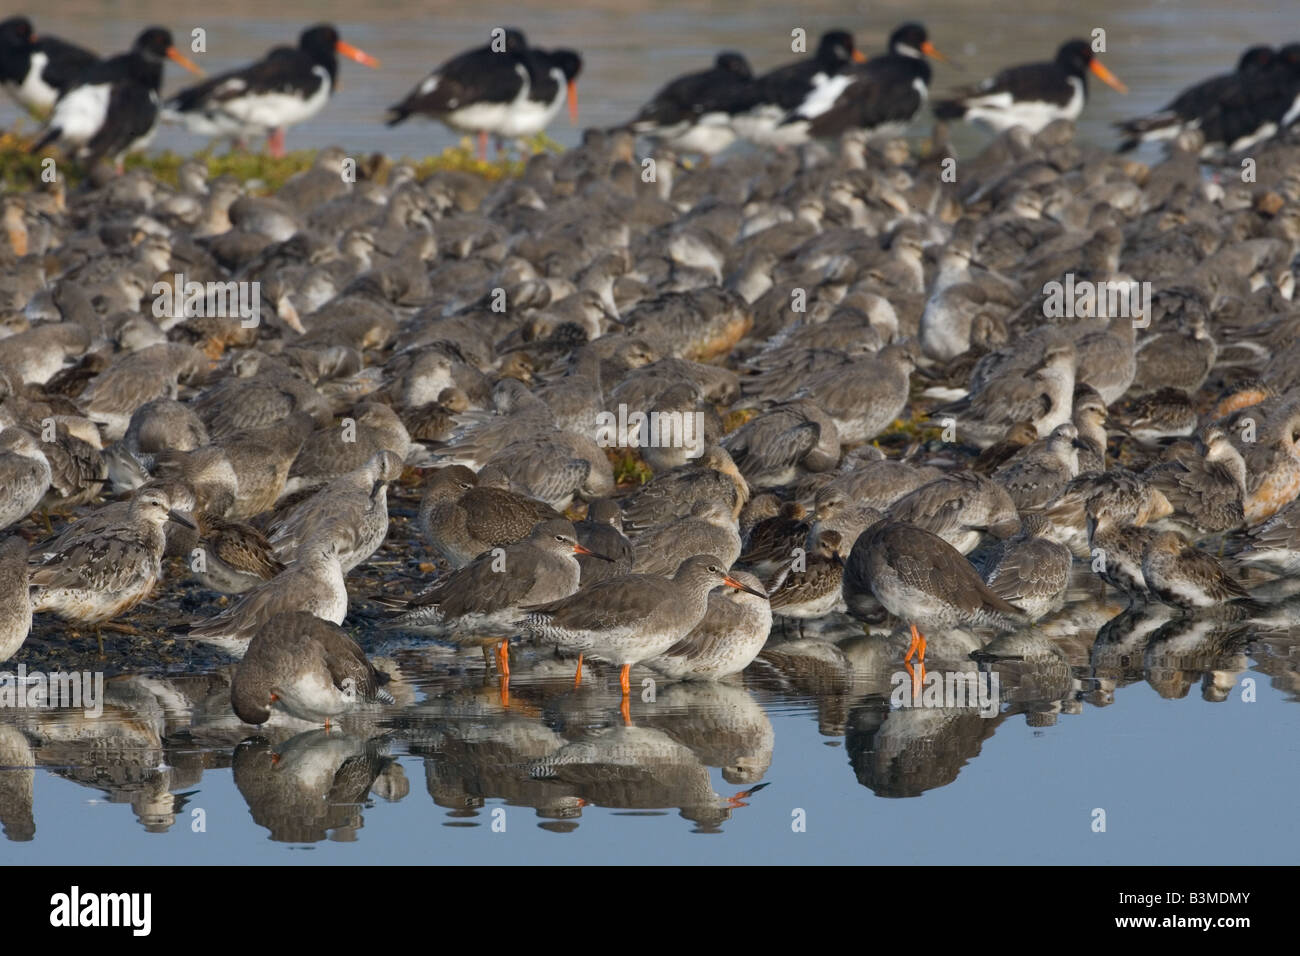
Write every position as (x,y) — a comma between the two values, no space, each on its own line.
(892,424)
(510,90)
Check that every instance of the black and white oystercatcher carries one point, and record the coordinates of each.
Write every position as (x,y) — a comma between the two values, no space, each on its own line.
(112,109)
(1031,95)
(780,90)
(474,92)
(552,82)
(37,70)
(1232,112)
(882,96)
(694,113)
(287,86)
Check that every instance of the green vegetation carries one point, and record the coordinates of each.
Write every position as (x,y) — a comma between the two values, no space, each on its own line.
(20,170)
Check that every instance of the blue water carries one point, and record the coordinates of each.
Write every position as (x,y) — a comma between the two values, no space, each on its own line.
(1181,781)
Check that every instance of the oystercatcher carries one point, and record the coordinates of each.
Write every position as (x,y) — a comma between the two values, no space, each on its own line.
(287,86)
(552,79)
(37,70)
(1259,103)
(1207,106)
(882,96)
(474,92)
(694,113)
(1031,95)
(781,90)
(112,108)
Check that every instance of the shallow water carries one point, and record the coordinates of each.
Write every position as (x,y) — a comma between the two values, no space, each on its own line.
(1186,736)
(1125,724)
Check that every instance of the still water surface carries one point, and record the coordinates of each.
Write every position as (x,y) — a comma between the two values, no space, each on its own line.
(1186,736)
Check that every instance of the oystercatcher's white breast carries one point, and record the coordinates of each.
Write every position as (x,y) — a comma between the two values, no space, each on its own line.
(1000,111)
(81,113)
(34,91)
(271,110)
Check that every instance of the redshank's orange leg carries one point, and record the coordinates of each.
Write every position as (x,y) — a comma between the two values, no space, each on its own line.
(625,708)
(505,691)
(916,681)
(625,680)
(327,725)
(917,647)
(503,658)
(577,675)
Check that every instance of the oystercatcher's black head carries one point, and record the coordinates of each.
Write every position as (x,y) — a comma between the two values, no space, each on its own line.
(734,62)
(152,46)
(16,32)
(153,43)
(1256,58)
(1076,58)
(836,48)
(322,44)
(568,62)
(911,40)
(1289,56)
(515,42)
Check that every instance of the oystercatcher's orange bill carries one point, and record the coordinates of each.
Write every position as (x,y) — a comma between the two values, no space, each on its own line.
(930,50)
(573,102)
(1106,76)
(353,53)
(859,56)
(176,55)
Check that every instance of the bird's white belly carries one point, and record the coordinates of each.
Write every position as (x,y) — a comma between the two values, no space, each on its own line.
(311,696)
(1000,112)
(275,110)
(81,113)
(35,92)
(711,134)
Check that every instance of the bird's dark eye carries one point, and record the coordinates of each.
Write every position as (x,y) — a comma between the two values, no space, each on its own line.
(559,537)
(715,569)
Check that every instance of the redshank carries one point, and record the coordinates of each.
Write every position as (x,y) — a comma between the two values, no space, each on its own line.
(481,601)
(634,617)
(306,667)
(923,580)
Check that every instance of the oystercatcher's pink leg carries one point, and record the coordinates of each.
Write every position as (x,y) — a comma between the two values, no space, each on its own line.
(275,142)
